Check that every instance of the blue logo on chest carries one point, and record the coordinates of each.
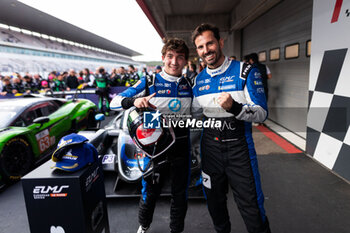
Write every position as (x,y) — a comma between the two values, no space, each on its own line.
(174,105)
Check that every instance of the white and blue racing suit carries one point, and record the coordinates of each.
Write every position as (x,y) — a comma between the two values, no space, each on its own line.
(228,153)
(173,96)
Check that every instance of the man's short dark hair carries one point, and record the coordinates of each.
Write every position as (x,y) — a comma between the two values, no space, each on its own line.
(132,67)
(193,66)
(254,57)
(246,58)
(205,27)
(175,44)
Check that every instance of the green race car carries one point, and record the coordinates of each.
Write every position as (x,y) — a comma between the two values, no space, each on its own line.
(30,128)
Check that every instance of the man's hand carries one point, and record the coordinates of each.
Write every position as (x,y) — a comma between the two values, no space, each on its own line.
(225,101)
(143,102)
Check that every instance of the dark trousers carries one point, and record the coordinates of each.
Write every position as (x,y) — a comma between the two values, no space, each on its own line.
(230,162)
(178,170)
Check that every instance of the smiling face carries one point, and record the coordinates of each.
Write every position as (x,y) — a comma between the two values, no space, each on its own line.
(174,62)
(210,49)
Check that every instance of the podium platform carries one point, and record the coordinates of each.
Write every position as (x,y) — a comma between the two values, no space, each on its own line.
(66,202)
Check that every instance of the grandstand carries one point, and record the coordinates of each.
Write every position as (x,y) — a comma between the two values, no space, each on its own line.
(31,45)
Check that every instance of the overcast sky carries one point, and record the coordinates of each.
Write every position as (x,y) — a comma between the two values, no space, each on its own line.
(121,21)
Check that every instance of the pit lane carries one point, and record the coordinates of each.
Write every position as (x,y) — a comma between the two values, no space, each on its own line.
(300,196)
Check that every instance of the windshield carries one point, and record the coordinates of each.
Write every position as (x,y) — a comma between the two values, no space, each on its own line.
(6,118)
(7,113)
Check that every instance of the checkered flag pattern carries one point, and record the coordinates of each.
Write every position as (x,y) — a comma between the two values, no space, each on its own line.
(328,133)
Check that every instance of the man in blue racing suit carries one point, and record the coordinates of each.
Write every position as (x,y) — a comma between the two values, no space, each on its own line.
(171,94)
(233,93)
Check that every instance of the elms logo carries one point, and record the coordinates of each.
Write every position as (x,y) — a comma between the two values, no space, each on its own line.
(42,192)
(151,120)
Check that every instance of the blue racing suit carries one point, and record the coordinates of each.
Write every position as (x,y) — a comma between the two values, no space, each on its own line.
(173,96)
(228,153)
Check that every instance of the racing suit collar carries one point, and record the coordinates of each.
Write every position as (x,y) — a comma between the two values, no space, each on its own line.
(221,69)
(169,77)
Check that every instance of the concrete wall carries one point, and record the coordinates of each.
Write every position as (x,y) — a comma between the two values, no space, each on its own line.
(287,23)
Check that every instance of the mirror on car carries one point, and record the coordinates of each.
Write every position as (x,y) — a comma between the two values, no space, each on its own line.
(41,120)
(100,117)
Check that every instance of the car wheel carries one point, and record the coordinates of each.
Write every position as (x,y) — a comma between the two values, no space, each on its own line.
(91,122)
(16,159)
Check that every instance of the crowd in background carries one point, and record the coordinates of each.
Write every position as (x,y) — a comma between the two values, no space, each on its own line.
(69,80)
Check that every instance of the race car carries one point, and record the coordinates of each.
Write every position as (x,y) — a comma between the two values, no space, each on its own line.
(121,159)
(30,129)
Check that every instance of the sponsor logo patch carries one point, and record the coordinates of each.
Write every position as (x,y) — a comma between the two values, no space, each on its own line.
(206,180)
(42,192)
(174,105)
(257,75)
(164,91)
(57,229)
(206,87)
(227,79)
(183,87)
(260,90)
(227,87)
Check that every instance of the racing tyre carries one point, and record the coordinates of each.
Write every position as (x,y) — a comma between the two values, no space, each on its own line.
(16,159)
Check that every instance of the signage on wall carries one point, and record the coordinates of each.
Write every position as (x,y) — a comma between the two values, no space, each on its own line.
(337,11)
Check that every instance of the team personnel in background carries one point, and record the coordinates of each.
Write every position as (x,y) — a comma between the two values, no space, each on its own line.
(17,85)
(29,85)
(133,76)
(71,80)
(7,86)
(158,69)
(102,83)
(233,58)
(231,92)
(123,77)
(171,93)
(144,72)
(60,85)
(246,59)
(44,86)
(114,77)
(264,71)
(88,78)
(192,72)
(37,80)
(202,65)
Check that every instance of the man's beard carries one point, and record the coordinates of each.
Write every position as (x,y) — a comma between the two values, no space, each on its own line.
(215,61)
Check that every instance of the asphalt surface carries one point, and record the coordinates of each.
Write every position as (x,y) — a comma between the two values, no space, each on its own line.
(301,196)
